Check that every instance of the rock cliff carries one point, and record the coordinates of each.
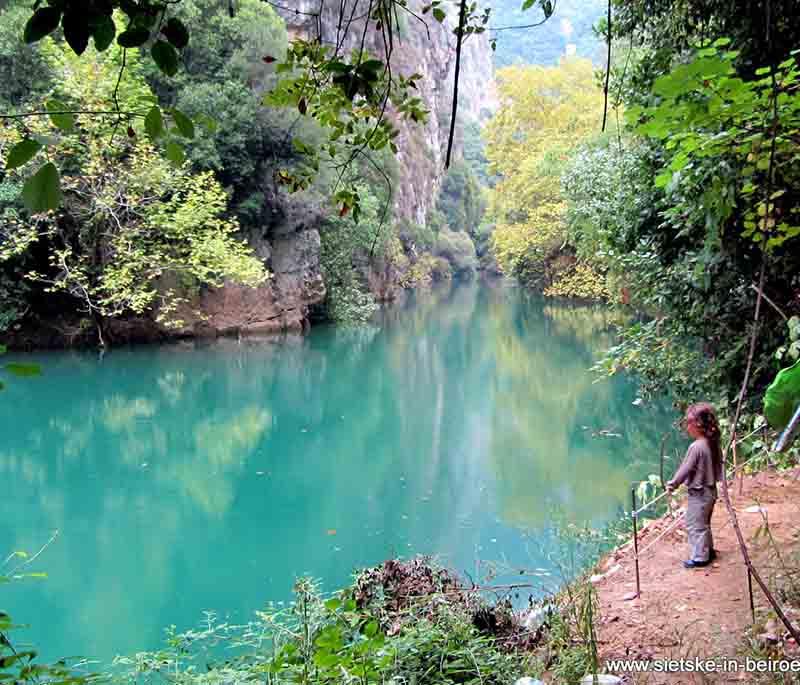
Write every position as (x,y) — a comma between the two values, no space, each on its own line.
(432,53)
(291,246)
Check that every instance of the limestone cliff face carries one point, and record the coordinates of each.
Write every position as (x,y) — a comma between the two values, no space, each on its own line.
(282,303)
(291,245)
(422,146)
(290,248)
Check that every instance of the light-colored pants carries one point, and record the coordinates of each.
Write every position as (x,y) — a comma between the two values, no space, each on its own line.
(698,521)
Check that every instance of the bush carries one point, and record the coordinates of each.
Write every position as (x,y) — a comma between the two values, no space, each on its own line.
(345,245)
(579,281)
(524,250)
(460,199)
(366,634)
(416,236)
(459,250)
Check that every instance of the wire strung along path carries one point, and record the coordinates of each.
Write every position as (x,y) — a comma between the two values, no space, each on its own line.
(702,612)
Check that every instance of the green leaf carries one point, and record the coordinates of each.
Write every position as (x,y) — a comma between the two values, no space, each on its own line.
(184,123)
(175,153)
(42,191)
(64,122)
(782,397)
(207,122)
(104,32)
(527,4)
(3,349)
(23,370)
(133,37)
(300,146)
(76,31)
(663,179)
(438,14)
(176,33)
(22,152)
(333,604)
(154,123)
(371,65)
(165,57)
(326,659)
(43,22)
(11,659)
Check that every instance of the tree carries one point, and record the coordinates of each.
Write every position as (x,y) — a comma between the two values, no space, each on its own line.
(350,96)
(546,112)
(460,199)
(136,232)
(224,78)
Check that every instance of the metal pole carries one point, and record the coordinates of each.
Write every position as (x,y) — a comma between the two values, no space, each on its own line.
(750,590)
(635,541)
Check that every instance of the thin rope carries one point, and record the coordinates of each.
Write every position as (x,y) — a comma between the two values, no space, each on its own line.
(650,503)
(750,434)
(669,529)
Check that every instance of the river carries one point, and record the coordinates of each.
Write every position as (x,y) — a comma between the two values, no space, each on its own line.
(191,477)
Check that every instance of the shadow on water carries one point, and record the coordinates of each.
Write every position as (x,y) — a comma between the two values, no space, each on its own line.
(192,477)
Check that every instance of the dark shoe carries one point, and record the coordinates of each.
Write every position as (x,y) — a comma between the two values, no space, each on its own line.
(689,563)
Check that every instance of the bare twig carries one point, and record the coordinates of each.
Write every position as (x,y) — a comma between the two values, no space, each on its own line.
(92,112)
(525,26)
(664,439)
(517,27)
(115,94)
(608,69)
(30,560)
(462,13)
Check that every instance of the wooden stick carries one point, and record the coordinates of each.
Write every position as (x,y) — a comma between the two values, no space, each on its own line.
(635,542)
(770,302)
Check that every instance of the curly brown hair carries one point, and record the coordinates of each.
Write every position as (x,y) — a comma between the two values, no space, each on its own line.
(703,416)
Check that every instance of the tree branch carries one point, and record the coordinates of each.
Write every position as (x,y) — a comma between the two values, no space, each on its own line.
(608,69)
(462,13)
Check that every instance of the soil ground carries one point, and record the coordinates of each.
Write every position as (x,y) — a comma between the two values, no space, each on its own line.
(702,612)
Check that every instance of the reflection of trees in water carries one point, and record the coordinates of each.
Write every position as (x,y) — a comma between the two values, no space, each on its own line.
(120,468)
(546,407)
(256,450)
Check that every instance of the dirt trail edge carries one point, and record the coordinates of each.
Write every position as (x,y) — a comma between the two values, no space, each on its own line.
(702,613)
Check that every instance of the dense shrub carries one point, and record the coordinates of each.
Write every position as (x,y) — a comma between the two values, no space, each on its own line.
(458,249)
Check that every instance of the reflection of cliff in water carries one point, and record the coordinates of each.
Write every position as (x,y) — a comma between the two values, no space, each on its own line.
(195,477)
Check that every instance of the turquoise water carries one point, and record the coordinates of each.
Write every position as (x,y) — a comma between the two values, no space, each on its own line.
(195,477)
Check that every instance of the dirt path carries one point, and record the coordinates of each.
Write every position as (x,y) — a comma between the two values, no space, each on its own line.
(702,612)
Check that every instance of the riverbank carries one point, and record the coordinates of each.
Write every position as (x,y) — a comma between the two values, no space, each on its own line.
(705,612)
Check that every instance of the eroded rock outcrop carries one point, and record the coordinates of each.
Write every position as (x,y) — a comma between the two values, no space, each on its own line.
(290,248)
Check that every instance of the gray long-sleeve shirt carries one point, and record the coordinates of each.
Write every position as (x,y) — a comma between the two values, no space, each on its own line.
(700,467)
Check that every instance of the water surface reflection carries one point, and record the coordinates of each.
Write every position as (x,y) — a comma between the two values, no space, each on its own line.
(192,477)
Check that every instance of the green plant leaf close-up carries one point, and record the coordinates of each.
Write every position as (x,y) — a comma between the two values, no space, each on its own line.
(22,153)
(42,191)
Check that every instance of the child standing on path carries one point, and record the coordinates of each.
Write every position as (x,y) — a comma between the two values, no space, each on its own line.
(700,470)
